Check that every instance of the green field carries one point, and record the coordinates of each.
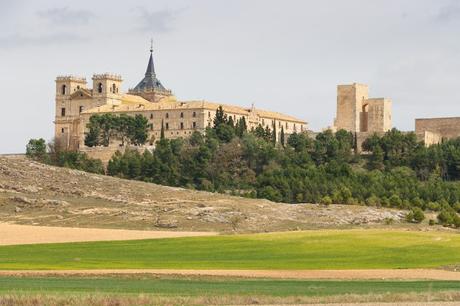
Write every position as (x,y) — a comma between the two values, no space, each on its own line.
(345,249)
(196,287)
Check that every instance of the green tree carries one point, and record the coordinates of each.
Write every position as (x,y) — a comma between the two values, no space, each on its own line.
(36,149)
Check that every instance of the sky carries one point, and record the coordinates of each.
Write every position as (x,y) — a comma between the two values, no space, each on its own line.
(287,56)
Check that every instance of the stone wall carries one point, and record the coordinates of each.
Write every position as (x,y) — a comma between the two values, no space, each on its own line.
(106,153)
(433,130)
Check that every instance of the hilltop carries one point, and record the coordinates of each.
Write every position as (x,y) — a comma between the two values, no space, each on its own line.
(39,194)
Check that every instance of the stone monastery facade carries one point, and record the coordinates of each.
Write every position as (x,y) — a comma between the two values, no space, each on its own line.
(76,103)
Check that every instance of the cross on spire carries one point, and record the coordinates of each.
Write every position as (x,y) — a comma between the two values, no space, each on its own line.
(151,45)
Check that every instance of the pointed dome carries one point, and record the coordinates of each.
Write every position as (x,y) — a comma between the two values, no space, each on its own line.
(150,81)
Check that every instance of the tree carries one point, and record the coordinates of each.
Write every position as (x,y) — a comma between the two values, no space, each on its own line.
(282,136)
(220,118)
(36,149)
(415,215)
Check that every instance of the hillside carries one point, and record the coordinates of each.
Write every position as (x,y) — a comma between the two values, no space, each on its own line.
(38,194)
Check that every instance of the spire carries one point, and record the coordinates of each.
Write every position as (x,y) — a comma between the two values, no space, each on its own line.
(150,67)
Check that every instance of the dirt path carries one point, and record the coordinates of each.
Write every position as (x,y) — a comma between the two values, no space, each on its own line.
(405,274)
(11,234)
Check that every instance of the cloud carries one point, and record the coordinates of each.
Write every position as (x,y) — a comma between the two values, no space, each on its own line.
(18,40)
(449,12)
(66,16)
(157,21)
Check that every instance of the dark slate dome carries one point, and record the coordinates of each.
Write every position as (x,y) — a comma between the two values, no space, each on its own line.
(150,81)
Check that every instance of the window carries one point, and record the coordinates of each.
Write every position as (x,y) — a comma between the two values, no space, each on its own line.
(151,116)
(99,88)
(63,89)
(194,124)
(167,125)
(209,114)
(78,87)
(287,125)
(181,125)
(295,128)
(62,130)
(63,112)
(194,114)
(114,88)
(182,115)
(279,124)
(167,115)
(81,108)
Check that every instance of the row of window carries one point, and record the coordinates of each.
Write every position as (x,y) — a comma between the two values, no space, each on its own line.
(181,115)
(113,88)
(81,108)
(181,126)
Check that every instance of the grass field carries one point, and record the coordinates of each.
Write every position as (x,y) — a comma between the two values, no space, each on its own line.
(346,249)
(216,286)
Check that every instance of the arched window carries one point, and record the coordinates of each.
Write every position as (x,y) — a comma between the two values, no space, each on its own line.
(99,88)
(114,88)
(63,90)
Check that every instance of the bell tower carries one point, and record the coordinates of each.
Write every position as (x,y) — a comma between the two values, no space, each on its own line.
(66,116)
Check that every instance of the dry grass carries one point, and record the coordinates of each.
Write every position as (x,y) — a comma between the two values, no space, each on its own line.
(18,299)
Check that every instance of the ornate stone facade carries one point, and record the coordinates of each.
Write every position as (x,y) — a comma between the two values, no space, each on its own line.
(75,104)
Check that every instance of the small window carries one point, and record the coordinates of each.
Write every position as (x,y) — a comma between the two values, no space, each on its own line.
(279,124)
(167,126)
(151,116)
(62,130)
(167,115)
(63,89)
(194,125)
(194,114)
(182,115)
(81,108)
(209,114)
(63,112)
(181,125)
(99,88)
(114,88)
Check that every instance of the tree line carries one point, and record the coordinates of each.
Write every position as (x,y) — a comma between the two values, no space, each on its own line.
(395,170)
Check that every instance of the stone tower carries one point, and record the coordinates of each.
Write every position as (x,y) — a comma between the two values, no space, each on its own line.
(66,113)
(106,87)
(150,88)
(356,112)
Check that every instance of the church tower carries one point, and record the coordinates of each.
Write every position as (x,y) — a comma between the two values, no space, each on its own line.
(150,88)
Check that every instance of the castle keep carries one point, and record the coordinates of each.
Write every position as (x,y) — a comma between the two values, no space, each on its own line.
(76,103)
(358,113)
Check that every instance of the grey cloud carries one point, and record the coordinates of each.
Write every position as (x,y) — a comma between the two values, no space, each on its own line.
(156,21)
(449,12)
(18,40)
(66,16)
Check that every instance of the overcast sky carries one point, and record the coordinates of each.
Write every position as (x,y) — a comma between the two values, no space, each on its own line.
(285,56)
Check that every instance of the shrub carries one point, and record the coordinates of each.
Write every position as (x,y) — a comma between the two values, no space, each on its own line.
(431,222)
(326,200)
(36,149)
(446,217)
(373,201)
(416,215)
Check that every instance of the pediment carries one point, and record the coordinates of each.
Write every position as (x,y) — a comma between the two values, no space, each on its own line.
(81,94)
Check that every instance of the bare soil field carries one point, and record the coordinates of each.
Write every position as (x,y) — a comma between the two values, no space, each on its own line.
(377,274)
(11,234)
(36,194)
